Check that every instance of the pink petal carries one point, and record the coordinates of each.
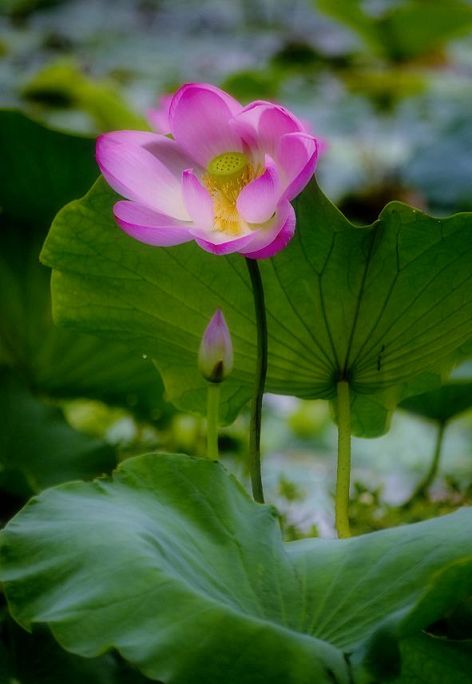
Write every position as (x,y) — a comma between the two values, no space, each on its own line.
(258,200)
(270,240)
(133,137)
(137,174)
(197,200)
(323,146)
(264,123)
(199,119)
(148,226)
(217,242)
(165,149)
(280,242)
(169,153)
(297,154)
(223,248)
(159,116)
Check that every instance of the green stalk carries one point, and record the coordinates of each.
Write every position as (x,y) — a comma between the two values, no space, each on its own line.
(422,488)
(213,402)
(261,373)
(344,460)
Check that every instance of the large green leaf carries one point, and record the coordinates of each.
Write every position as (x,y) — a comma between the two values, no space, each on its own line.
(387,307)
(38,448)
(41,171)
(172,564)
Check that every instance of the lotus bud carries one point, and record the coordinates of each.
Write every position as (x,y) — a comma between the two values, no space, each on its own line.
(215,356)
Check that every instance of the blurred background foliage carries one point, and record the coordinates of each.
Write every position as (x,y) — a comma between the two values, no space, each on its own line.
(386,83)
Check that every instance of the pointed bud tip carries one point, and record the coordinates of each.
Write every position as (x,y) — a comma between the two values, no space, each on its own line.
(215,356)
(218,318)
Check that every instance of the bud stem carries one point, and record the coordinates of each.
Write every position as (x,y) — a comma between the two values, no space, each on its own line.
(213,402)
(344,460)
(261,372)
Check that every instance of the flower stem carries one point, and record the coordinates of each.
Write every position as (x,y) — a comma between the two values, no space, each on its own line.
(213,402)
(261,372)
(344,460)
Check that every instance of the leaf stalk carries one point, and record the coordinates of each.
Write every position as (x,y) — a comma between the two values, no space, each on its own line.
(421,490)
(343,476)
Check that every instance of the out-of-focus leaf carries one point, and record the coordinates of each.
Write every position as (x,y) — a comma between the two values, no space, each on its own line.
(252,85)
(441,171)
(386,307)
(384,87)
(403,29)
(38,448)
(441,404)
(41,170)
(64,84)
(23,8)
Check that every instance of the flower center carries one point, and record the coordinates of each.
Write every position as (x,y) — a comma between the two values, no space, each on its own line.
(228,165)
(226,176)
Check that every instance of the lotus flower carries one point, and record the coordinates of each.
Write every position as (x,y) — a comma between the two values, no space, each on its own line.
(224,179)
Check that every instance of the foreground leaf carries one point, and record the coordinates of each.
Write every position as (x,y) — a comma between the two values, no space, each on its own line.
(388,307)
(186,585)
(173,565)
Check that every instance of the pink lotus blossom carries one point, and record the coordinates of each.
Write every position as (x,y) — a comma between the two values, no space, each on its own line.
(224,179)
(215,356)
